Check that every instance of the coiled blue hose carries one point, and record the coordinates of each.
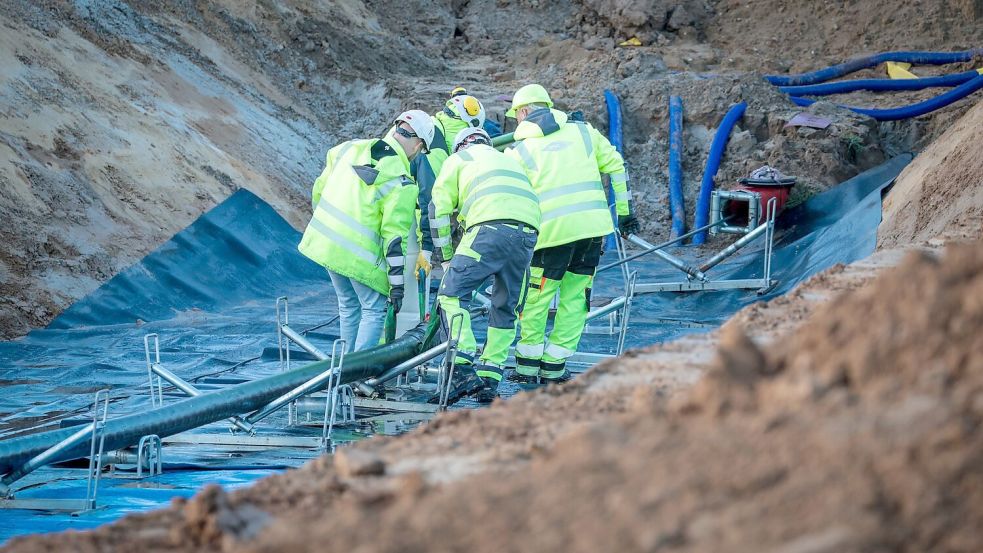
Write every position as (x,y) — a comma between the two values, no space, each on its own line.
(836,71)
(880,85)
(677,206)
(914,110)
(713,163)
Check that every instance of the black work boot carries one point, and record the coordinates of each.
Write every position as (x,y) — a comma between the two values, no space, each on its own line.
(489,392)
(555,373)
(464,383)
(528,366)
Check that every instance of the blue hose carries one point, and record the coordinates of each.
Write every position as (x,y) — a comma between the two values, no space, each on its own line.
(880,85)
(836,71)
(914,110)
(713,163)
(677,207)
(615,136)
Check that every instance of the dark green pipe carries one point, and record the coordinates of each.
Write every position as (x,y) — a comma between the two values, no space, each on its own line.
(207,408)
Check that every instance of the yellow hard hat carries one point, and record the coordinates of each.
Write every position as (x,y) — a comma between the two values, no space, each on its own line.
(529,94)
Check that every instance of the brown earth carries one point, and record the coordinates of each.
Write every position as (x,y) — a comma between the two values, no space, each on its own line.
(844,416)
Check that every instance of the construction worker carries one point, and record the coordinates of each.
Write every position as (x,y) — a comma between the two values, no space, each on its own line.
(364,203)
(499,211)
(564,160)
(460,112)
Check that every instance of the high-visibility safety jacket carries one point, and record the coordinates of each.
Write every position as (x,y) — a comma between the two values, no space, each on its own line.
(481,184)
(424,170)
(564,161)
(364,202)
(450,125)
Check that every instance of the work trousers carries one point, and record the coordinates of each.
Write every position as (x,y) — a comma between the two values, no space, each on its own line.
(498,249)
(570,269)
(361,311)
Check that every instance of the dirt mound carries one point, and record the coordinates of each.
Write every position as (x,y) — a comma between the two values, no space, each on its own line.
(798,35)
(860,431)
(941,192)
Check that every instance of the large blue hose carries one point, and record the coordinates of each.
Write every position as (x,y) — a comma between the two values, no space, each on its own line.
(616,137)
(914,110)
(880,85)
(717,149)
(836,71)
(677,206)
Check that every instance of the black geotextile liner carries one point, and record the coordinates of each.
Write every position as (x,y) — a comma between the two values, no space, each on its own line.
(209,293)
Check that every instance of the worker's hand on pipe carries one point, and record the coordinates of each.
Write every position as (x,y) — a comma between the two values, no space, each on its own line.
(423,262)
(628,224)
(396,298)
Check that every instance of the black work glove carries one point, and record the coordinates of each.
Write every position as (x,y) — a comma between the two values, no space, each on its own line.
(628,224)
(396,298)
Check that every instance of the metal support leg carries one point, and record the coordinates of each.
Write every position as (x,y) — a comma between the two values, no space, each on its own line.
(626,312)
(334,380)
(150,452)
(446,378)
(282,345)
(96,455)
(156,392)
(771,213)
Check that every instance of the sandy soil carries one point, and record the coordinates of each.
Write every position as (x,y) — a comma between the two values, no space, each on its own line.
(842,417)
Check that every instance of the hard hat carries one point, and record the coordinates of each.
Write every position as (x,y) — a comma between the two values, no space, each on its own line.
(529,94)
(467,109)
(458,91)
(420,122)
(462,137)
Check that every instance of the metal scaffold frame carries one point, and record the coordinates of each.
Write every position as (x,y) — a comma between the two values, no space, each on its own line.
(695,284)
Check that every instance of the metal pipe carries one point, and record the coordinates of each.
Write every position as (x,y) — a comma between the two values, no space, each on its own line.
(303,342)
(207,408)
(670,259)
(45,457)
(660,246)
(187,388)
(615,305)
(407,365)
(729,250)
(307,387)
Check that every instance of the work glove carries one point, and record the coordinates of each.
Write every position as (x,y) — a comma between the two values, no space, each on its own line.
(628,224)
(423,262)
(396,298)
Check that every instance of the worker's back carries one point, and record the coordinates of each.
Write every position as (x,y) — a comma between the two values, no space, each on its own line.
(363,188)
(560,159)
(493,187)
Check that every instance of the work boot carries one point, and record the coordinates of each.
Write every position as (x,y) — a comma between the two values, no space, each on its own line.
(489,392)
(519,378)
(555,373)
(463,384)
(563,377)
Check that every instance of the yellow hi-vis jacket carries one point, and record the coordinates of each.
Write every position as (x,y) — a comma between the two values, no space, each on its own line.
(564,161)
(481,184)
(364,202)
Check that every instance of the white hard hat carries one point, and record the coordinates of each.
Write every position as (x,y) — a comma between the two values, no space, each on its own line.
(462,137)
(420,122)
(467,109)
